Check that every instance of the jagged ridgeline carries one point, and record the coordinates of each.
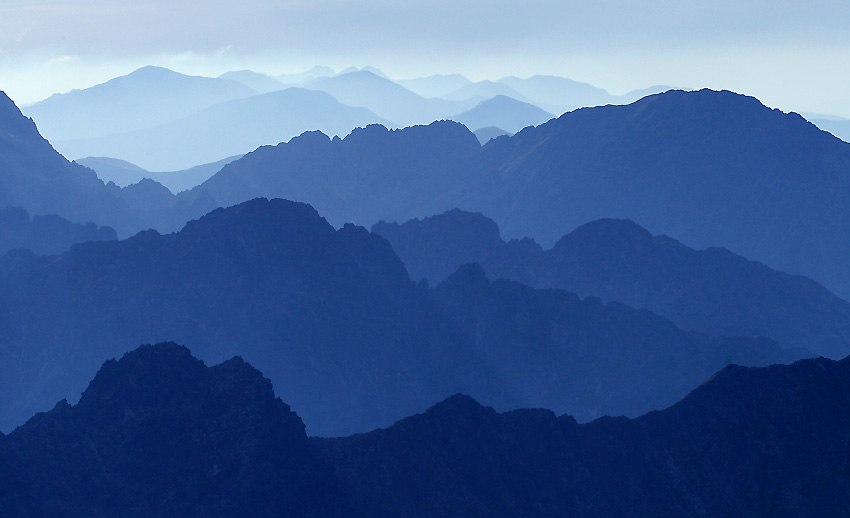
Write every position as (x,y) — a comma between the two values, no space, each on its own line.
(158,433)
(332,317)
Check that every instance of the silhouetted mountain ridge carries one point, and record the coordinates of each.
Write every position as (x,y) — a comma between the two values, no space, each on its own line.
(712,291)
(159,433)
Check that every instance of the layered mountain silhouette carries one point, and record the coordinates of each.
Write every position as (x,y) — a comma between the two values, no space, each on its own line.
(437,85)
(123,173)
(332,317)
(504,113)
(362,178)
(707,168)
(229,128)
(45,235)
(485,135)
(712,291)
(388,99)
(148,97)
(261,83)
(159,433)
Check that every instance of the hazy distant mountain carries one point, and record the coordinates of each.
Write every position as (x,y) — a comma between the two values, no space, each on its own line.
(147,97)
(45,234)
(124,173)
(386,98)
(261,83)
(436,85)
(484,90)
(40,180)
(554,90)
(502,112)
(226,129)
(485,135)
(159,433)
(711,291)
(839,128)
(334,320)
(303,77)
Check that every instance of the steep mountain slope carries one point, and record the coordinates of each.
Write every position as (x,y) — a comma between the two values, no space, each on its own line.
(157,433)
(45,234)
(333,319)
(502,112)
(40,180)
(226,129)
(839,128)
(148,97)
(712,291)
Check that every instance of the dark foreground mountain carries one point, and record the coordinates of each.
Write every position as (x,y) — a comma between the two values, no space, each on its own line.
(157,433)
(707,168)
(712,291)
(45,234)
(333,319)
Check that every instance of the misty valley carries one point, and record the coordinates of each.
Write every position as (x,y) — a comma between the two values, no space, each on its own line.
(341,294)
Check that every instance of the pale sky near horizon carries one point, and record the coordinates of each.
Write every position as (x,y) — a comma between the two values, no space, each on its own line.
(791,55)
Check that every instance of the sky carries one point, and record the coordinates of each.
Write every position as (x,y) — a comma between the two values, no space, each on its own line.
(790,54)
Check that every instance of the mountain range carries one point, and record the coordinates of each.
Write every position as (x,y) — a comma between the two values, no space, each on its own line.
(711,291)
(159,433)
(334,320)
(123,173)
(707,168)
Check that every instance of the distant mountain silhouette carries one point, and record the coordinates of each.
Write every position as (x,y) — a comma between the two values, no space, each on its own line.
(45,235)
(226,129)
(483,90)
(303,77)
(261,83)
(485,135)
(334,320)
(148,97)
(559,94)
(159,433)
(711,291)
(123,173)
(436,85)
(386,98)
(502,112)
